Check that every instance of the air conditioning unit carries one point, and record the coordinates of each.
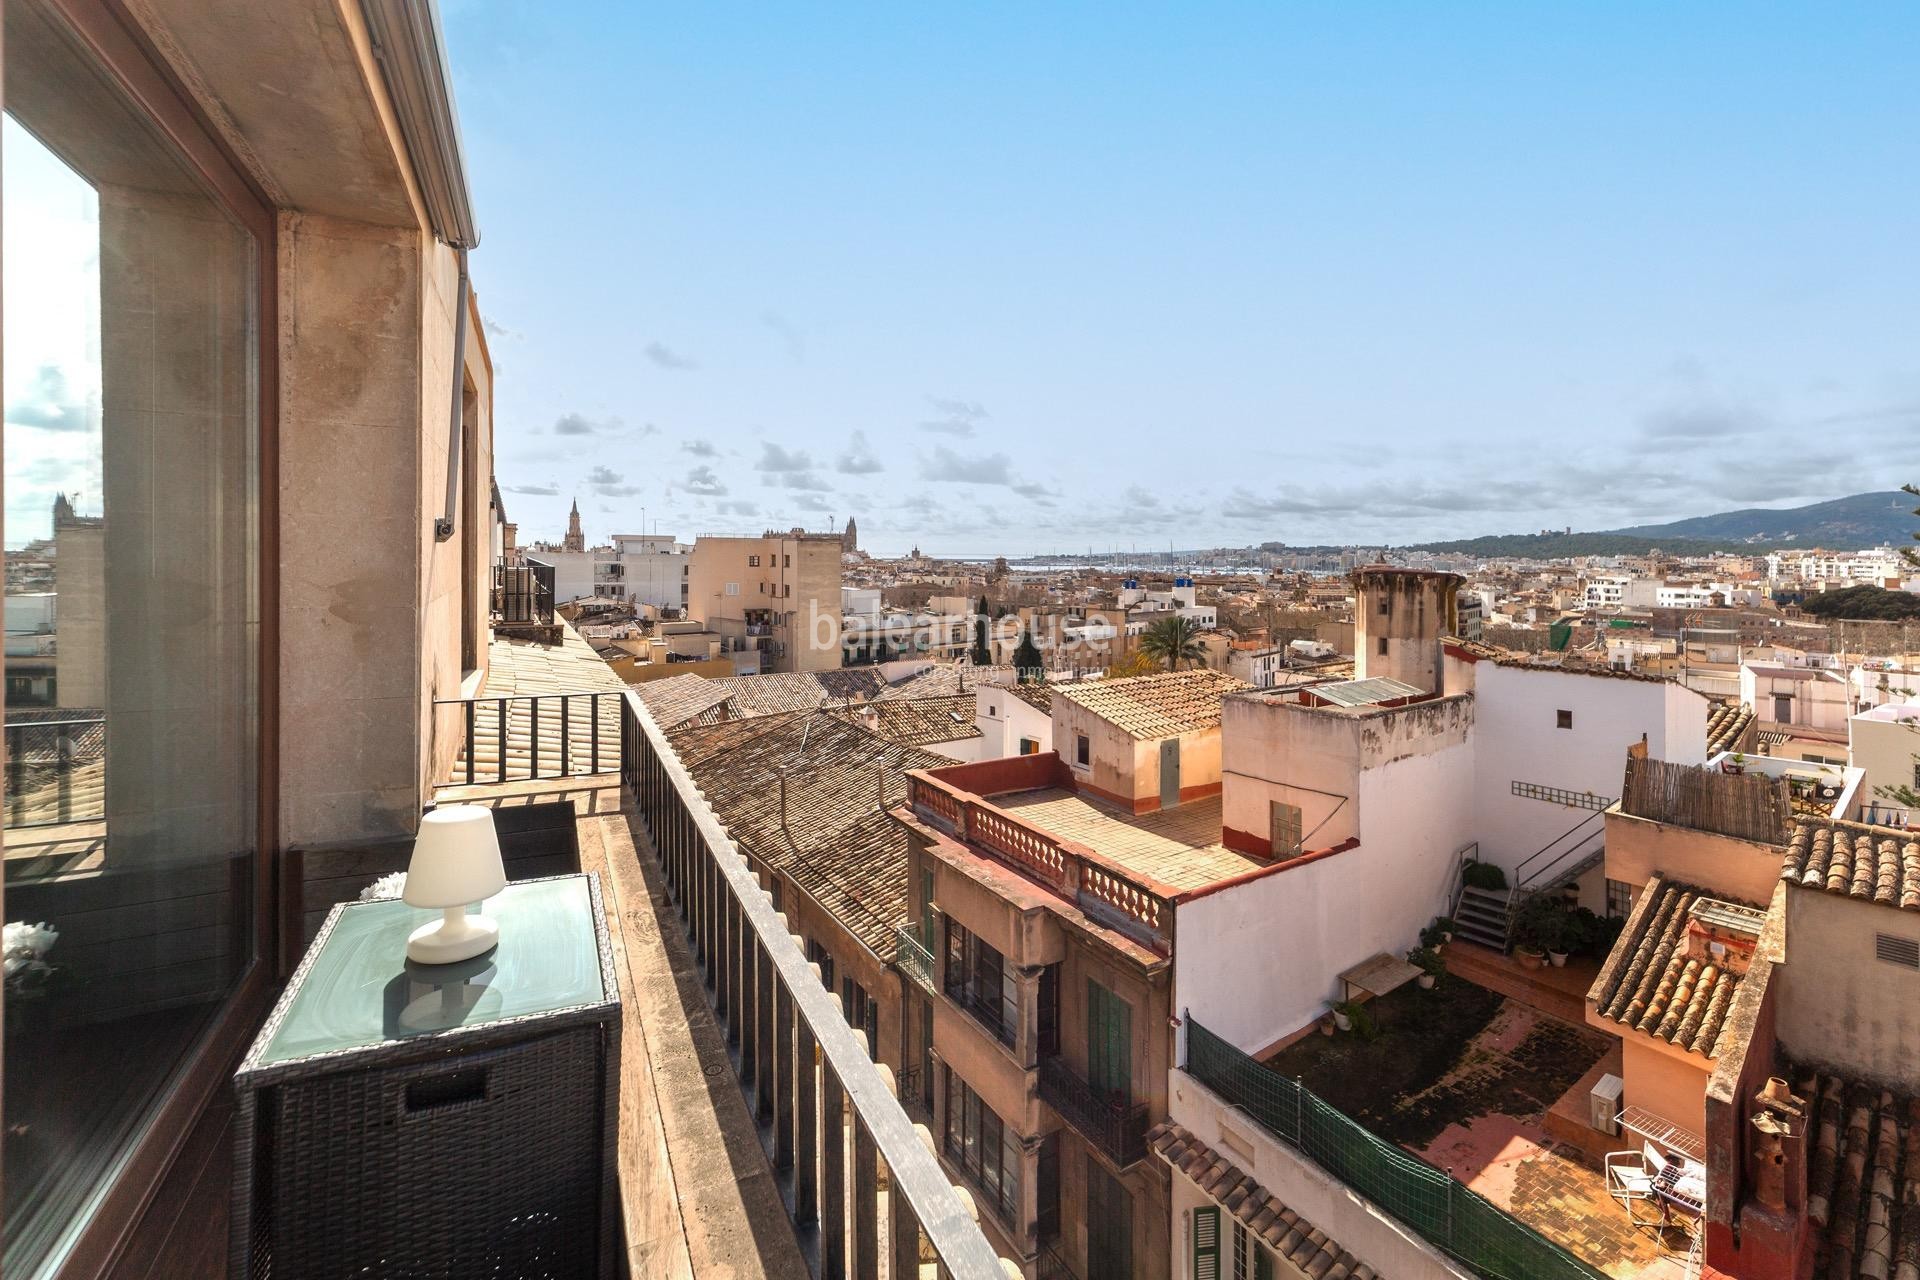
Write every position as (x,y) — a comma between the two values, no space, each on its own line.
(1603,1105)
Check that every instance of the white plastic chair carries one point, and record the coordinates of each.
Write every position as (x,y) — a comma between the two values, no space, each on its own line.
(1630,1178)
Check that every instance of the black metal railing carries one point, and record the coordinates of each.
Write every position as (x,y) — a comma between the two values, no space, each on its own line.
(912,1086)
(913,956)
(828,1116)
(1053,1266)
(523,593)
(49,759)
(1111,1122)
(536,736)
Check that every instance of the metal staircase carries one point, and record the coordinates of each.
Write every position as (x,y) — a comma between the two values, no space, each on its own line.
(1485,916)
(1480,916)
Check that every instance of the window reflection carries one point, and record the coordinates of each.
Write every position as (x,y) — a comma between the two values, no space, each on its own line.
(129,395)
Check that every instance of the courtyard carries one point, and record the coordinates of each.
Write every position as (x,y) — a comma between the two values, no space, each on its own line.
(1465,1078)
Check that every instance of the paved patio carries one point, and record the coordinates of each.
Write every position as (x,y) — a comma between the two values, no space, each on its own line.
(1464,1078)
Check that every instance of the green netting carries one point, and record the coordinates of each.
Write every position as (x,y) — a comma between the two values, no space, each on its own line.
(1429,1201)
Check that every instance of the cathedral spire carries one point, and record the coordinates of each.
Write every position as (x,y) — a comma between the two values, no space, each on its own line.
(575,539)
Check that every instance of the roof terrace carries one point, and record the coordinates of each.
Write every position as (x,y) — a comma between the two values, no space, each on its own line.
(1125,870)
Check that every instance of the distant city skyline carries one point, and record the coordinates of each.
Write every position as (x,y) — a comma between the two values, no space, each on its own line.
(1002,279)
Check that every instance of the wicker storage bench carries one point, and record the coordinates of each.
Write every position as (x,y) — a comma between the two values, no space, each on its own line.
(436,1122)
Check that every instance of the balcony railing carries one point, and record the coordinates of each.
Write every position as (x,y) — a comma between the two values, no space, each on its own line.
(536,736)
(54,768)
(1115,1125)
(1053,1266)
(523,593)
(828,1116)
(1142,910)
(914,957)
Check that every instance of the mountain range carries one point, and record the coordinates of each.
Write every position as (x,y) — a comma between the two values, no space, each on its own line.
(1843,524)
(1863,520)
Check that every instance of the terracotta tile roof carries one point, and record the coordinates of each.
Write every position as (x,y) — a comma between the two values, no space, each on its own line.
(945,680)
(832,836)
(1285,1232)
(916,722)
(1655,983)
(1037,694)
(521,669)
(1865,1207)
(678,699)
(1873,864)
(1157,706)
(695,742)
(852,682)
(772,693)
(1725,723)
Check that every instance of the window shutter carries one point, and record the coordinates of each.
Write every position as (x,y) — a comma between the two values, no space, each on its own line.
(1206,1243)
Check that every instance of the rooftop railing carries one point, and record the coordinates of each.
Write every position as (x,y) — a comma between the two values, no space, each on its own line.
(48,760)
(537,736)
(1130,904)
(829,1117)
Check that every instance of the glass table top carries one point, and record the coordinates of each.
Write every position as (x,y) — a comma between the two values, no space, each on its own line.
(363,991)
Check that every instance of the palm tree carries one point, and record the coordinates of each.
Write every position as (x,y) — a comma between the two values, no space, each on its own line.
(1172,641)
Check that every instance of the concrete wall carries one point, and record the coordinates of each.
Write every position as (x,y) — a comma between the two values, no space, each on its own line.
(353,492)
(1260,959)
(1840,1007)
(1517,739)
(80,623)
(1822,701)
(1275,750)
(1885,743)
(1004,719)
(1638,848)
(1663,1079)
(1363,1229)
(1111,759)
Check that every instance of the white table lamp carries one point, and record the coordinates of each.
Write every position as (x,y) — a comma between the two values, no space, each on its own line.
(456,862)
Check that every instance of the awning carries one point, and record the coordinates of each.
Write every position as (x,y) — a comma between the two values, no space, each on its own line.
(1378,976)
(1663,1133)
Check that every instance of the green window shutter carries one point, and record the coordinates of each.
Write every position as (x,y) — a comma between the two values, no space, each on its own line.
(1262,1263)
(1206,1243)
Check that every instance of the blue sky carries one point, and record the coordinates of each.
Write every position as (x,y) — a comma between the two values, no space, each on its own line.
(1026,278)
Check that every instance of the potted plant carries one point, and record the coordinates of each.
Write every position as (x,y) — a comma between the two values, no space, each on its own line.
(1541,927)
(1735,763)
(1437,935)
(1529,956)
(1483,875)
(1342,1011)
(1431,966)
(1326,1024)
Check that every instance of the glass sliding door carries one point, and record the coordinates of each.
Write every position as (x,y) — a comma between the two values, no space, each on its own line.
(131,391)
